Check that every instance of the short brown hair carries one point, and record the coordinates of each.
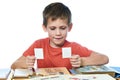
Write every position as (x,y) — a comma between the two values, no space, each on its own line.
(56,10)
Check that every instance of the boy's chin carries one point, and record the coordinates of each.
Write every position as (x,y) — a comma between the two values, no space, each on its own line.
(59,44)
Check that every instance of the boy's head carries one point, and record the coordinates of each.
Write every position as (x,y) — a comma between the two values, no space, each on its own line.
(57,22)
(56,10)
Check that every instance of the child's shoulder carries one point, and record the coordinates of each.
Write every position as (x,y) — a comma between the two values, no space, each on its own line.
(72,43)
(42,39)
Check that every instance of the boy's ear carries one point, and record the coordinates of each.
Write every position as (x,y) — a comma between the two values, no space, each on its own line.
(70,27)
(44,28)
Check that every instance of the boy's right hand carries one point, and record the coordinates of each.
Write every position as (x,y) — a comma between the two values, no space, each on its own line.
(30,60)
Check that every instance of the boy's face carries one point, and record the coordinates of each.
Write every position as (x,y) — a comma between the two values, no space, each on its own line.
(57,31)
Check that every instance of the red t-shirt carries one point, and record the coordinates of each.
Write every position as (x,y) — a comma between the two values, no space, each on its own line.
(53,56)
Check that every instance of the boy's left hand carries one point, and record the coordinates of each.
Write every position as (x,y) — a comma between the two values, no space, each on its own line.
(75,61)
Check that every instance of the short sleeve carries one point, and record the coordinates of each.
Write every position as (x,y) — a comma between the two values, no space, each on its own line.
(80,50)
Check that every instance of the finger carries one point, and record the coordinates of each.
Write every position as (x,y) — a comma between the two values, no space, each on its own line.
(31,57)
(75,59)
(75,56)
(76,64)
(30,65)
(30,60)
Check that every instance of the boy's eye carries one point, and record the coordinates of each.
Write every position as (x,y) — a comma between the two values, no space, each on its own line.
(52,28)
(63,28)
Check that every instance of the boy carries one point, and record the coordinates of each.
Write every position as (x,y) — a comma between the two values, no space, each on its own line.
(57,22)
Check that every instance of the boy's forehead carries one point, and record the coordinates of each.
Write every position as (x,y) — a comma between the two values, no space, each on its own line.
(57,22)
(60,19)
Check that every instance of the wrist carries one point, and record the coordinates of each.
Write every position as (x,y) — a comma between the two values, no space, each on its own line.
(81,62)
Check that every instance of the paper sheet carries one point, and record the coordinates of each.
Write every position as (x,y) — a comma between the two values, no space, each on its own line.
(66,52)
(39,53)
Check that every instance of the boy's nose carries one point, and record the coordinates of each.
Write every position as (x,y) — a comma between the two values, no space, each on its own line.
(58,32)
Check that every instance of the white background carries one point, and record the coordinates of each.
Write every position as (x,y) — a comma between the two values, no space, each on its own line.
(96,25)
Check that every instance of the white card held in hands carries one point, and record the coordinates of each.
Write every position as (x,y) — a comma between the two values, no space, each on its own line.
(66,52)
(39,53)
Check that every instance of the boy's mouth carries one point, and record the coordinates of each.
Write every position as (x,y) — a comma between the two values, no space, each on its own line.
(58,38)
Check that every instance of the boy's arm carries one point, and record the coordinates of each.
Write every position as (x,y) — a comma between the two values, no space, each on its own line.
(24,62)
(94,59)
(19,63)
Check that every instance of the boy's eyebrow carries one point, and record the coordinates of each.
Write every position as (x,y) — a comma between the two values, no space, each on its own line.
(55,26)
(63,26)
(51,26)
